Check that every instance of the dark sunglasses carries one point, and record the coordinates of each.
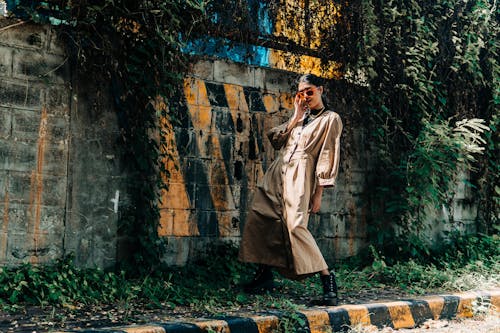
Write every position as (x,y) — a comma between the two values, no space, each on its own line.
(308,92)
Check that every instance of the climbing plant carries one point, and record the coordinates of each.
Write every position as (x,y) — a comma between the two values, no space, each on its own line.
(430,69)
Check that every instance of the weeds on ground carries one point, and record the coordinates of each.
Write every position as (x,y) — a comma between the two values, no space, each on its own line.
(210,285)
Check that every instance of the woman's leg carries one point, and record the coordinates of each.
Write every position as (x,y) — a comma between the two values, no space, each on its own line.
(330,293)
(263,281)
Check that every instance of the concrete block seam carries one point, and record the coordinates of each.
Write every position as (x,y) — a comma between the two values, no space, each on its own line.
(395,314)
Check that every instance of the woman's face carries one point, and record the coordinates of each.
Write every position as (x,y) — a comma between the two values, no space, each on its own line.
(312,94)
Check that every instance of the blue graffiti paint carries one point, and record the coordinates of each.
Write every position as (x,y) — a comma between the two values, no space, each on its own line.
(262,19)
(238,52)
(222,48)
(11,4)
(265,22)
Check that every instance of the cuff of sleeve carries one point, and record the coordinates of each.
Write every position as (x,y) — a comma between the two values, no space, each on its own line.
(284,129)
(328,182)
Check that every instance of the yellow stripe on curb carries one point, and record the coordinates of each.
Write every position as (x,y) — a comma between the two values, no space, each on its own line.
(436,304)
(401,315)
(220,326)
(464,309)
(266,324)
(358,314)
(319,321)
(495,300)
(144,329)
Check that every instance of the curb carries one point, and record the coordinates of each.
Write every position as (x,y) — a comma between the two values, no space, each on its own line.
(396,314)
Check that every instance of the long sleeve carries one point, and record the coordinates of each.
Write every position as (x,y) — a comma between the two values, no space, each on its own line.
(327,166)
(278,135)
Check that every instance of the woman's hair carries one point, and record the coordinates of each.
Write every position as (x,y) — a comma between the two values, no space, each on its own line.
(311,79)
(316,81)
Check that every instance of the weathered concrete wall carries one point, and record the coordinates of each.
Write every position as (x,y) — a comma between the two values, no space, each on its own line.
(62,188)
(34,141)
(57,170)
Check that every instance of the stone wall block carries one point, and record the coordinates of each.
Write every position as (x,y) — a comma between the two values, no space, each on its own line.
(185,140)
(203,70)
(224,121)
(5,61)
(177,251)
(177,222)
(57,100)
(271,102)
(233,73)
(52,220)
(229,223)
(21,248)
(5,123)
(203,198)
(27,36)
(26,126)
(278,81)
(4,181)
(29,65)
(17,156)
(55,158)
(20,95)
(21,187)
(16,219)
(55,45)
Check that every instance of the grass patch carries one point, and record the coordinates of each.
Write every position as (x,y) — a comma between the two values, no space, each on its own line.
(210,286)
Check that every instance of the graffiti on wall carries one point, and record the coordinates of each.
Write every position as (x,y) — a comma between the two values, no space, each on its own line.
(285,35)
(219,155)
(219,152)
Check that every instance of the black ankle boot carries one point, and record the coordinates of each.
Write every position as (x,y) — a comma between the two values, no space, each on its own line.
(330,294)
(262,281)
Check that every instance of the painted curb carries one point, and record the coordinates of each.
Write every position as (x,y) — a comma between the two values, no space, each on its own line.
(398,314)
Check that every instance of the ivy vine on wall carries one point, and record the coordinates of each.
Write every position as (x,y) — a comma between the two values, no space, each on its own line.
(431,70)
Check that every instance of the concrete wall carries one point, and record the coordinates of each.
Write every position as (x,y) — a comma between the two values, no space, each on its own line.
(57,165)
(62,185)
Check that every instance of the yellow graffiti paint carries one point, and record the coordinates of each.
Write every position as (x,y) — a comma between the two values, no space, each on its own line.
(209,146)
(236,100)
(175,207)
(304,64)
(304,25)
(266,323)
(271,103)
(144,329)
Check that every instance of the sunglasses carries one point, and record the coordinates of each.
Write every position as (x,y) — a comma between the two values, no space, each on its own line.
(309,92)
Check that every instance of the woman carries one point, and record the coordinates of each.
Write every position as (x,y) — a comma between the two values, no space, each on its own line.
(275,234)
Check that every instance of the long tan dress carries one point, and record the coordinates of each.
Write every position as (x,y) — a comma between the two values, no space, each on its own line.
(275,231)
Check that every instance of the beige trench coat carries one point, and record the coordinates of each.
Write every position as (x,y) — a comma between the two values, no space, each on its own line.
(275,231)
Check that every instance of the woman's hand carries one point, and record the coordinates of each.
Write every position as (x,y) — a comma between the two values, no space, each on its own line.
(301,107)
(300,104)
(315,204)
